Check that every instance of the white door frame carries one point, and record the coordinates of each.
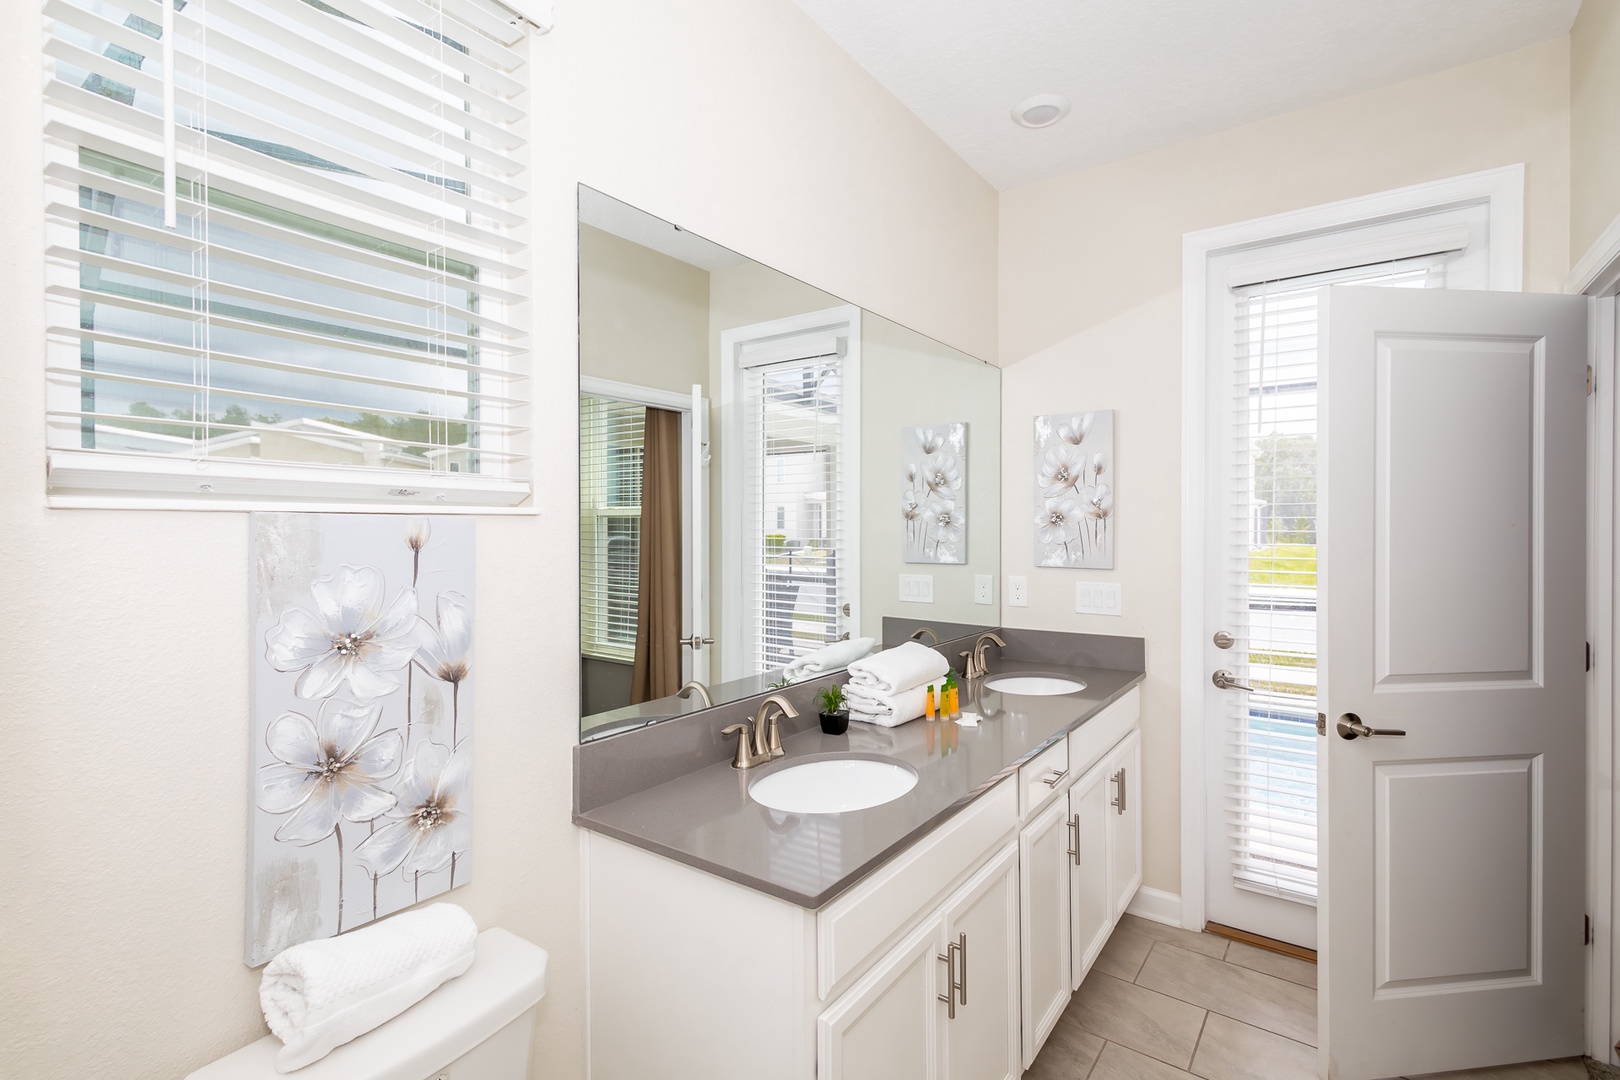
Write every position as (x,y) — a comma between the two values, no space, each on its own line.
(842,321)
(1502,192)
(1598,275)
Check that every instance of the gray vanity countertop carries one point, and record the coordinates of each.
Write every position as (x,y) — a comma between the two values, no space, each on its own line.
(706,819)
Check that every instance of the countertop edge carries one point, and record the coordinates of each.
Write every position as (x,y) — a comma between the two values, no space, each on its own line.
(820,900)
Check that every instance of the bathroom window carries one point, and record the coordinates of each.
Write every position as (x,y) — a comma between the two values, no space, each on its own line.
(611,437)
(285,253)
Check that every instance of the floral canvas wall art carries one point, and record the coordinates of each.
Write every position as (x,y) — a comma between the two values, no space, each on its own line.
(360,705)
(1074,490)
(933,500)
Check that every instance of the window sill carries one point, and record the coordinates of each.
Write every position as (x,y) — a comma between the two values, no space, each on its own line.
(91,480)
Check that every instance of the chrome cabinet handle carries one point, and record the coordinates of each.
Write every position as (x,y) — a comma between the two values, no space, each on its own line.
(1351,727)
(1055,779)
(1119,788)
(1074,839)
(961,952)
(1225,680)
(949,996)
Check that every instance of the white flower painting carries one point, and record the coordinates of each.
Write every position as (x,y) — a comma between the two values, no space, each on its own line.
(361,713)
(933,495)
(1074,492)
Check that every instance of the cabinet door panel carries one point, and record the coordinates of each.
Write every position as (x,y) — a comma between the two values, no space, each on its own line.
(1125,821)
(1091,897)
(1043,874)
(886,1026)
(981,1041)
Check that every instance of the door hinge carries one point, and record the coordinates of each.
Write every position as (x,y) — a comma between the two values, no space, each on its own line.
(1588,939)
(1588,656)
(1588,380)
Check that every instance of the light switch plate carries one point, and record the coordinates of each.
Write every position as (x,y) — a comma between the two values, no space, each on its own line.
(981,589)
(1097,598)
(1017,591)
(917,588)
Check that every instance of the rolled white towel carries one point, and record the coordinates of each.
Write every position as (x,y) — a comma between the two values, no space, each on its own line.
(838,654)
(900,668)
(885,710)
(321,994)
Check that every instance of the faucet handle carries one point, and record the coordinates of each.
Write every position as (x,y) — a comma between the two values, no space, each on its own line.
(745,757)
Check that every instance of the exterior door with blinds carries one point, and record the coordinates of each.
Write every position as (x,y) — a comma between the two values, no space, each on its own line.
(790,573)
(610,472)
(1261,740)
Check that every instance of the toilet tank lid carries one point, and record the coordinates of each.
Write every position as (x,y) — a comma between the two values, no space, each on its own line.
(507,978)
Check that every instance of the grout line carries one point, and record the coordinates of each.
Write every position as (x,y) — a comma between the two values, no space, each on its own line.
(1194,1055)
(1095,1060)
(1268,1031)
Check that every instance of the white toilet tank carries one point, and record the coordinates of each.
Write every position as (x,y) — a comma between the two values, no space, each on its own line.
(476,1027)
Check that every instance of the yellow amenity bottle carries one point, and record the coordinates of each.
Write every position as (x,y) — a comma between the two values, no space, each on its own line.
(928,709)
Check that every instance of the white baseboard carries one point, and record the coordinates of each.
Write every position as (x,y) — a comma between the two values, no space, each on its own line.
(1156,904)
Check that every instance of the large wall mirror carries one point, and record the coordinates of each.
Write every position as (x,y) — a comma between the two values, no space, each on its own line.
(772,481)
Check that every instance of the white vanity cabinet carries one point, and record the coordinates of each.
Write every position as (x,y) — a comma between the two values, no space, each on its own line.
(951,961)
(1080,862)
(942,1005)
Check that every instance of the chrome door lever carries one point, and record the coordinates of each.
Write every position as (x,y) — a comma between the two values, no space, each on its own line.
(1225,680)
(1351,727)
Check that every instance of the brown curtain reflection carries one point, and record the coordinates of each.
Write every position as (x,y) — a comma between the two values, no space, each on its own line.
(657,672)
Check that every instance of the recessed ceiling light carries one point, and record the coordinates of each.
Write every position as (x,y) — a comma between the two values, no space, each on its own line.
(1042,110)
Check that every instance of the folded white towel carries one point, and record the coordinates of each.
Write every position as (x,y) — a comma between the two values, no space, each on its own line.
(885,710)
(838,654)
(900,668)
(321,994)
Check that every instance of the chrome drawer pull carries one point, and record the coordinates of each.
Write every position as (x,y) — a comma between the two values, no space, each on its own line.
(1074,839)
(1055,779)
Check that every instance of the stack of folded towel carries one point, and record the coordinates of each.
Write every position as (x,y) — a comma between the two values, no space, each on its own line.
(321,994)
(891,688)
(838,654)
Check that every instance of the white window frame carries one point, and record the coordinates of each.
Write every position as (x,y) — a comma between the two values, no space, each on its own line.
(80,479)
(843,321)
(1500,191)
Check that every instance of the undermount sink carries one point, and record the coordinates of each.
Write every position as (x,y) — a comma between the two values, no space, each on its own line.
(1034,685)
(833,786)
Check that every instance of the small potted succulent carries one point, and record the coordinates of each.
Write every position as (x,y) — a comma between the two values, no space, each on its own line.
(834,715)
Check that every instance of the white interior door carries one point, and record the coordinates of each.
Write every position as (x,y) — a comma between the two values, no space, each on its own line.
(1452,621)
(701,642)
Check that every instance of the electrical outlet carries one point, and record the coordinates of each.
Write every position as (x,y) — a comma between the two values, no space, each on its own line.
(1017,591)
(1097,598)
(917,588)
(981,589)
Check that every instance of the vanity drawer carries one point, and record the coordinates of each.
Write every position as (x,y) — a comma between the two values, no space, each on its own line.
(859,925)
(1042,777)
(1093,739)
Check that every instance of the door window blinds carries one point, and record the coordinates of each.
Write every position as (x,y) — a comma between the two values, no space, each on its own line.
(1270,735)
(795,514)
(611,435)
(286,244)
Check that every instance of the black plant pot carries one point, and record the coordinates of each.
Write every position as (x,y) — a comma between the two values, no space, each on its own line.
(835,723)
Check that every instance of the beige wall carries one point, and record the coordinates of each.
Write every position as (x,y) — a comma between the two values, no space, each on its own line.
(1594,151)
(121,901)
(908,380)
(1091,317)
(643,316)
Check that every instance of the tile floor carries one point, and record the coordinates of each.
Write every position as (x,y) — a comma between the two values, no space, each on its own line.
(1167,1004)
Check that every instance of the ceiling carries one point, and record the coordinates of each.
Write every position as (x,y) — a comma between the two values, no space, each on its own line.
(1148,73)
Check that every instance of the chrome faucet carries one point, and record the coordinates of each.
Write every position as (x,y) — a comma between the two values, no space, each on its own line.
(975,668)
(759,739)
(696,688)
(916,635)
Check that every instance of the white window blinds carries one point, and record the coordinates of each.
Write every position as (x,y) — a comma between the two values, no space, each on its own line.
(795,522)
(286,250)
(1271,739)
(611,440)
